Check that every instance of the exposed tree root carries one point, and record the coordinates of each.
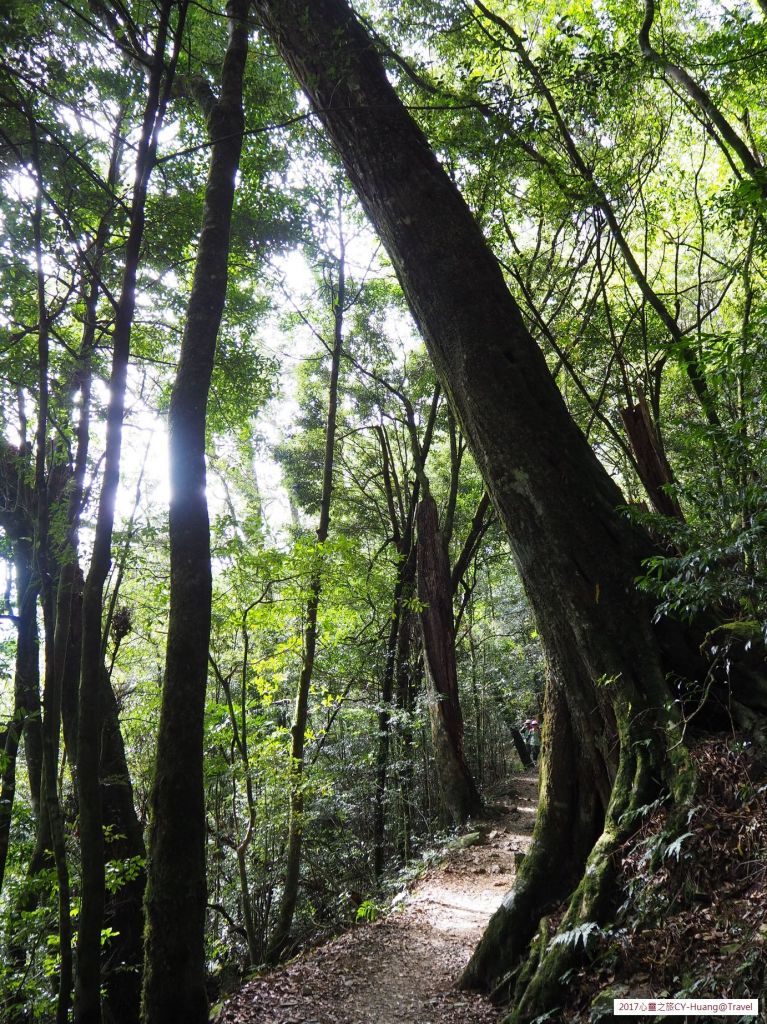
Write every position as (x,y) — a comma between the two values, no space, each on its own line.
(574,857)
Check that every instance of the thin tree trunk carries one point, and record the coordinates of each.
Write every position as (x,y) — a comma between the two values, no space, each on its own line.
(402,592)
(30,688)
(521,747)
(26,688)
(479,525)
(402,538)
(280,936)
(174,971)
(124,906)
(384,722)
(511,721)
(240,736)
(406,647)
(700,98)
(122,953)
(53,828)
(90,715)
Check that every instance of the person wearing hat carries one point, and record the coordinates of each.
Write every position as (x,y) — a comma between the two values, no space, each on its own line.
(526,732)
(534,740)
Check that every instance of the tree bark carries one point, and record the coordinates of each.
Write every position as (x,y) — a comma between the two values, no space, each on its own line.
(384,726)
(521,747)
(50,823)
(405,687)
(652,464)
(402,538)
(123,953)
(460,797)
(90,716)
(16,518)
(174,972)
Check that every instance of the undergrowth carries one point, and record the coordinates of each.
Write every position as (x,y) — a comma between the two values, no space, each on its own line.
(694,918)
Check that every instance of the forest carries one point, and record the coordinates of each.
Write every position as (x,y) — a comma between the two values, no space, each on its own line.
(373,381)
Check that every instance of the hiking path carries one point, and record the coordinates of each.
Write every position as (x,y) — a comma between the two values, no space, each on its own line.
(402,969)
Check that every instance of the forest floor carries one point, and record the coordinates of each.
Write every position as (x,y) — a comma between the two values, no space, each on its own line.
(402,968)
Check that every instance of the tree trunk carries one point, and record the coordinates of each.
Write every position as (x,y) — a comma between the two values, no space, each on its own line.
(402,538)
(384,729)
(569,820)
(397,650)
(406,647)
(50,835)
(53,828)
(511,721)
(460,797)
(652,464)
(521,747)
(123,953)
(280,937)
(26,691)
(174,972)
(576,554)
(700,97)
(90,717)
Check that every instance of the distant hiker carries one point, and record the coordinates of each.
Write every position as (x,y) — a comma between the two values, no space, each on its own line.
(534,741)
(525,730)
(519,737)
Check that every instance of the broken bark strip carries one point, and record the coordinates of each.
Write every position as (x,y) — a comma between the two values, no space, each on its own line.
(651,461)
(435,594)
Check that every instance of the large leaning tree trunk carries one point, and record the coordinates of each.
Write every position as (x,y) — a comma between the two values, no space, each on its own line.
(607,704)
(174,971)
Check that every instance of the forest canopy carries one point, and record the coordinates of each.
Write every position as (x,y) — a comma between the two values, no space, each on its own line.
(371,381)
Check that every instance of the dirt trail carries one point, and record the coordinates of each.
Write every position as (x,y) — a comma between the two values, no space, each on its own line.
(402,970)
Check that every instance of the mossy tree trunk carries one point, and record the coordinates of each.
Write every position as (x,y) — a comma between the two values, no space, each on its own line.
(174,970)
(88,982)
(576,554)
(123,954)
